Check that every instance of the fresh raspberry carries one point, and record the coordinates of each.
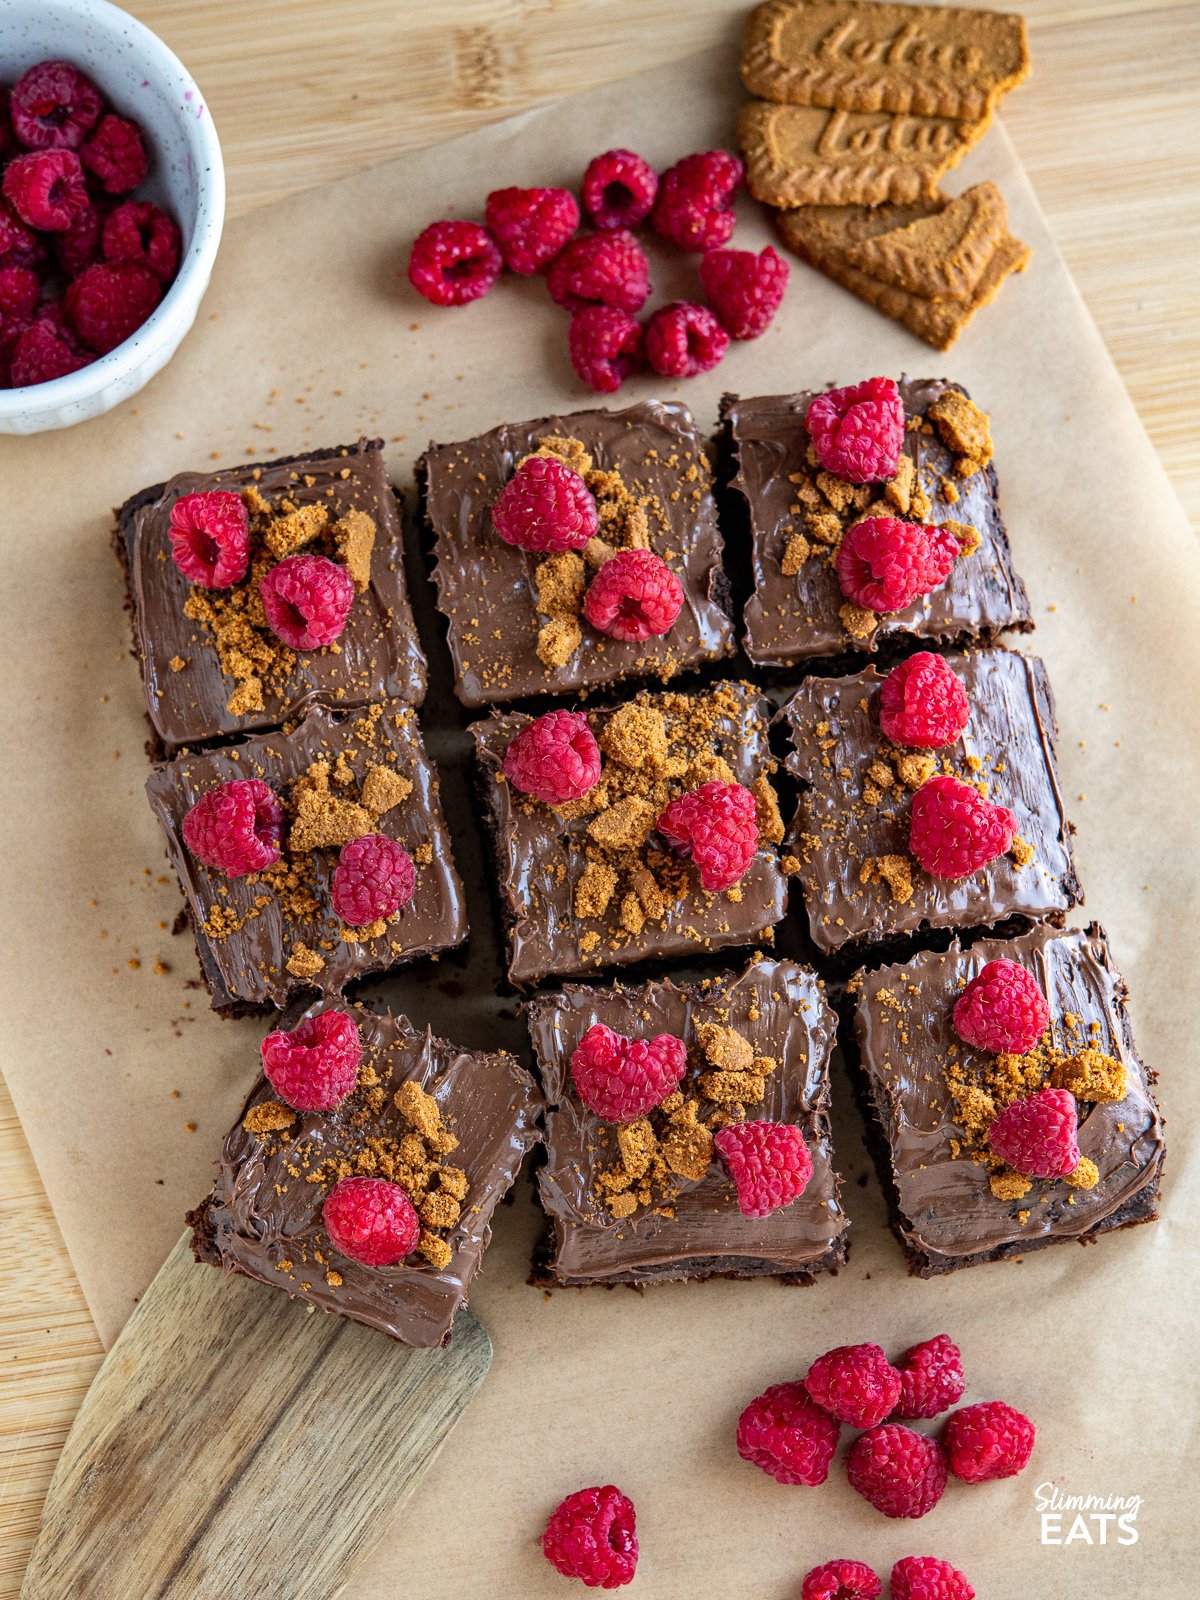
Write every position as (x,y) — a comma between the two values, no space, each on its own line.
(373,878)
(315,1066)
(621,1079)
(592,1536)
(694,208)
(768,1162)
(744,289)
(108,303)
(716,826)
(307,599)
(927,1578)
(607,269)
(8,138)
(140,231)
(210,538)
(841,1580)
(545,506)
(454,262)
(858,432)
(80,245)
(20,291)
(635,595)
(46,188)
(116,155)
(370,1220)
(900,1471)
(988,1441)
(922,703)
(884,564)
(855,1383)
(1002,1009)
(605,345)
(19,245)
(530,225)
(619,189)
(791,1439)
(554,758)
(43,352)
(1037,1135)
(54,107)
(236,827)
(684,339)
(953,831)
(931,1378)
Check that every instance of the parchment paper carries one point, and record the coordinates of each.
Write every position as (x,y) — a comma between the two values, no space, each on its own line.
(308,337)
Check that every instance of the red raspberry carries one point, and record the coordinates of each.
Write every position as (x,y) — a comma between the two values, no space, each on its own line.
(20,291)
(236,827)
(635,595)
(841,1580)
(694,208)
(931,1378)
(901,1472)
(315,1066)
(791,1439)
(922,703)
(46,188)
(592,1536)
(79,245)
(927,1578)
(140,231)
(307,599)
(210,538)
(7,137)
(19,245)
(858,432)
(768,1162)
(54,106)
(1037,1135)
(554,758)
(620,1079)
(744,289)
(605,346)
(855,1383)
(43,352)
(988,1441)
(619,189)
(608,269)
(117,155)
(953,831)
(454,262)
(884,564)
(371,1221)
(373,878)
(1002,1009)
(545,506)
(530,225)
(108,303)
(683,340)
(716,826)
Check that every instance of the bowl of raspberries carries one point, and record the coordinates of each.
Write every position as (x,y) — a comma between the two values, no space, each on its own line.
(112,198)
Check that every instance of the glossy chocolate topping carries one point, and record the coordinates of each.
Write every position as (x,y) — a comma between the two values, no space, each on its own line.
(485,587)
(780,1008)
(903,1026)
(264,1212)
(796,618)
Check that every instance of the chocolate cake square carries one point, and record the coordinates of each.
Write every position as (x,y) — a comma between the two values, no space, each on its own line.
(513,616)
(647,1203)
(798,514)
(928,1098)
(591,884)
(268,937)
(863,891)
(211,665)
(456,1148)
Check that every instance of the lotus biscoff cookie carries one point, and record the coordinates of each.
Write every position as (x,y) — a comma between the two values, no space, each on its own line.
(860,56)
(942,256)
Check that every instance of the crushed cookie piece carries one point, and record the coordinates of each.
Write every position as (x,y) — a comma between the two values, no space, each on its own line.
(354,540)
(824,526)
(559,582)
(419,1108)
(595,889)
(969,538)
(1021,851)
(293,531)
(435,1250)
(638,1146)
(795,553)
(558,641)
(724,1048)
(894,870)
(770,818)
(440,1210)
(898,490)
(858,621)
(732,1088)
(1009,1185)
(322,820)
(635,737)
(303,962)
(269,1116)
(913,769)
(1091,1075)
(687,1149)
(963,427)
(1085,1176)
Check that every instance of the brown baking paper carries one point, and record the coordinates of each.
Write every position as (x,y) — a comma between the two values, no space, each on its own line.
(309,338)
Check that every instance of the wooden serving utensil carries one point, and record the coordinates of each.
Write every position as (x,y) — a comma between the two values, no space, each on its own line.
(236,1442)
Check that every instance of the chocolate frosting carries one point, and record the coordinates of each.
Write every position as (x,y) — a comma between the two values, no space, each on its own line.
(796,618)
(485,587)
(378,656)
(1010,734)
(247,969)
(903,1026)
(777,1005)
(261,1213)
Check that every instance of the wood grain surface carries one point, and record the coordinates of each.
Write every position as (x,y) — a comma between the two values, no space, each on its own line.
(306,90)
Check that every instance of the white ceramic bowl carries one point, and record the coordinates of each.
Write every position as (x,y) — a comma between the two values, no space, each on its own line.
(145,81)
